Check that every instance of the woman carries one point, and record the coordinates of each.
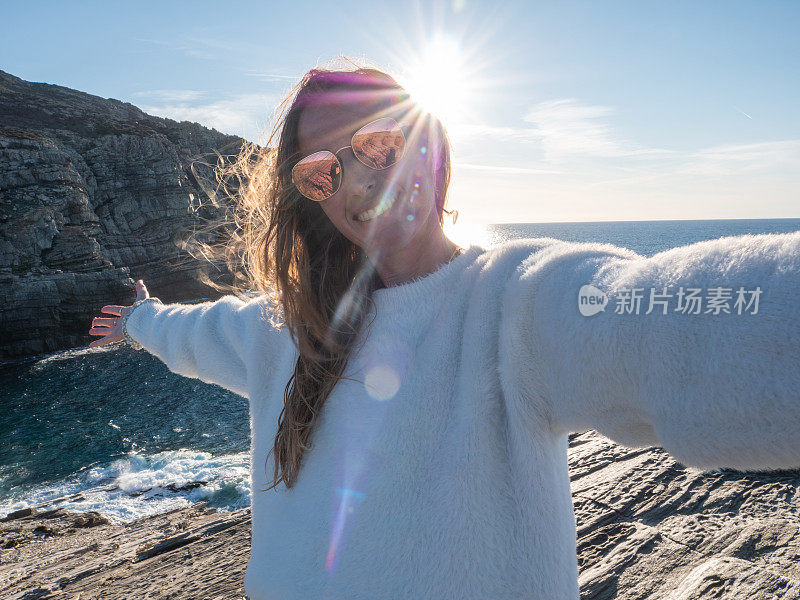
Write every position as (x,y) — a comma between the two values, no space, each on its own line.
(422,435)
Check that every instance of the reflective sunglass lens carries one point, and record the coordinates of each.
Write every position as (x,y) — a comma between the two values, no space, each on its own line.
(318,175)
(379,144)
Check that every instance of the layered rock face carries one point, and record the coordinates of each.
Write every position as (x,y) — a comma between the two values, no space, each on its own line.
(94,194)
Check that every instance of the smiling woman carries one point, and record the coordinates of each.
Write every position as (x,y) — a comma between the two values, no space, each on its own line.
(424,394)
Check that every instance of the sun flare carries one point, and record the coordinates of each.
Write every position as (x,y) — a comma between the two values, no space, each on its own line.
(449,74)
(436,80)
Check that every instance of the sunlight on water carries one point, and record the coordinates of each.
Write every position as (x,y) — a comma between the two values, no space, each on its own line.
(466,234)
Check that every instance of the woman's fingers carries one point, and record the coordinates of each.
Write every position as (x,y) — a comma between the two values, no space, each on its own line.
(102,331)
(110,333)
(102,321)
(111,329)
(108,339)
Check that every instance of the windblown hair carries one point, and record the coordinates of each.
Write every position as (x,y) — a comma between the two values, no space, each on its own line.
(318,283)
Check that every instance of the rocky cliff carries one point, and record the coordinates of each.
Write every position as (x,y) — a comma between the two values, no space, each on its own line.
(94,193)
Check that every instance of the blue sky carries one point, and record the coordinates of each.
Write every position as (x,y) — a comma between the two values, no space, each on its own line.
(571,111)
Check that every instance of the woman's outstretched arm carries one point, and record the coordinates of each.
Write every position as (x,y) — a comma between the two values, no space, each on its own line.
(211,341)
(695,349)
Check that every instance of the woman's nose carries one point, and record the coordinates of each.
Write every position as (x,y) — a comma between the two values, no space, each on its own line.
(359,180)
(359,188)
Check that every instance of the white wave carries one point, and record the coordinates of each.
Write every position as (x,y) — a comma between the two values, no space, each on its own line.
(44,360)
(141,485)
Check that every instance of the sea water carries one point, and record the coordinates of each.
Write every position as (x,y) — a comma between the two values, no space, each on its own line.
(112,430)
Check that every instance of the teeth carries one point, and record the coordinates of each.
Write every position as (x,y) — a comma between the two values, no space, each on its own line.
(384,205)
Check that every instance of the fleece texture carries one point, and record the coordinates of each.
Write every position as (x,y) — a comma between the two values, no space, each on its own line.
(439,469)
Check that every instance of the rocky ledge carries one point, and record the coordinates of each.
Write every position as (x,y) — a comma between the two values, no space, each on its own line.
(647,528)
(94,193)
(193,552)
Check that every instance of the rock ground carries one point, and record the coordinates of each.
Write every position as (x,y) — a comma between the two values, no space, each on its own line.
(647,529)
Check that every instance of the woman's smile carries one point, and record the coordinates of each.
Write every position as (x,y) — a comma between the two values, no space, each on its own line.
(387,201)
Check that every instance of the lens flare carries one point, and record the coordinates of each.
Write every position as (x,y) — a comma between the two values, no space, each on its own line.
(382,382)
(436,80)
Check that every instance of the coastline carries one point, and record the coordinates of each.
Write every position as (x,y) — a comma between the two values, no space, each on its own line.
(647,527)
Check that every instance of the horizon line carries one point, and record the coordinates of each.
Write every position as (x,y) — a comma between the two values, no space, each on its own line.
(643,221)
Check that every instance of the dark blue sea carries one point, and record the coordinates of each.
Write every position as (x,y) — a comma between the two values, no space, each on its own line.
(112,430)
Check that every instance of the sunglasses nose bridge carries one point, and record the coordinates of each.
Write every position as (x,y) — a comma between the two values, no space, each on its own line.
(340,149)
(341,162)
(358,160)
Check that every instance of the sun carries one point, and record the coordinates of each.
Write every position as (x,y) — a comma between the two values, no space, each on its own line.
(437,81)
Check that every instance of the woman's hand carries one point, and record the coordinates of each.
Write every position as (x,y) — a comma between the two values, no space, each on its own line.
(111,328)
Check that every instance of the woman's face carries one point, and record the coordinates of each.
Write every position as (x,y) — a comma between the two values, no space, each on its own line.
(331,127)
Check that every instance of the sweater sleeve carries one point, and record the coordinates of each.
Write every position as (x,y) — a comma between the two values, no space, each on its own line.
(695,349)
(208,341)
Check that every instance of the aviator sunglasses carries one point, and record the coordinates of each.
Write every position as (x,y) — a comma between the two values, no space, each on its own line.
(377,145)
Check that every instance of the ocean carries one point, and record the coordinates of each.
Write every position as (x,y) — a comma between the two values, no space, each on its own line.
(113,430)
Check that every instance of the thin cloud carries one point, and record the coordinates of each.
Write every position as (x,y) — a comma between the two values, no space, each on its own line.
(209,42)
(759,152)
(502,169)
(270,76)
(601,170)
(152,41)
(203,48)
(480,130)
(168,96)
(729,161)
(564,129)
(732,159)
(569,132)
(245,115)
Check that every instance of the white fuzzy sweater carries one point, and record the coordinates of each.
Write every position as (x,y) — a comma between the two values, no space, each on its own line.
(440,470)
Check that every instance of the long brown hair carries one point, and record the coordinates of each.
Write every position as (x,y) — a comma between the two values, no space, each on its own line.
(318,282)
